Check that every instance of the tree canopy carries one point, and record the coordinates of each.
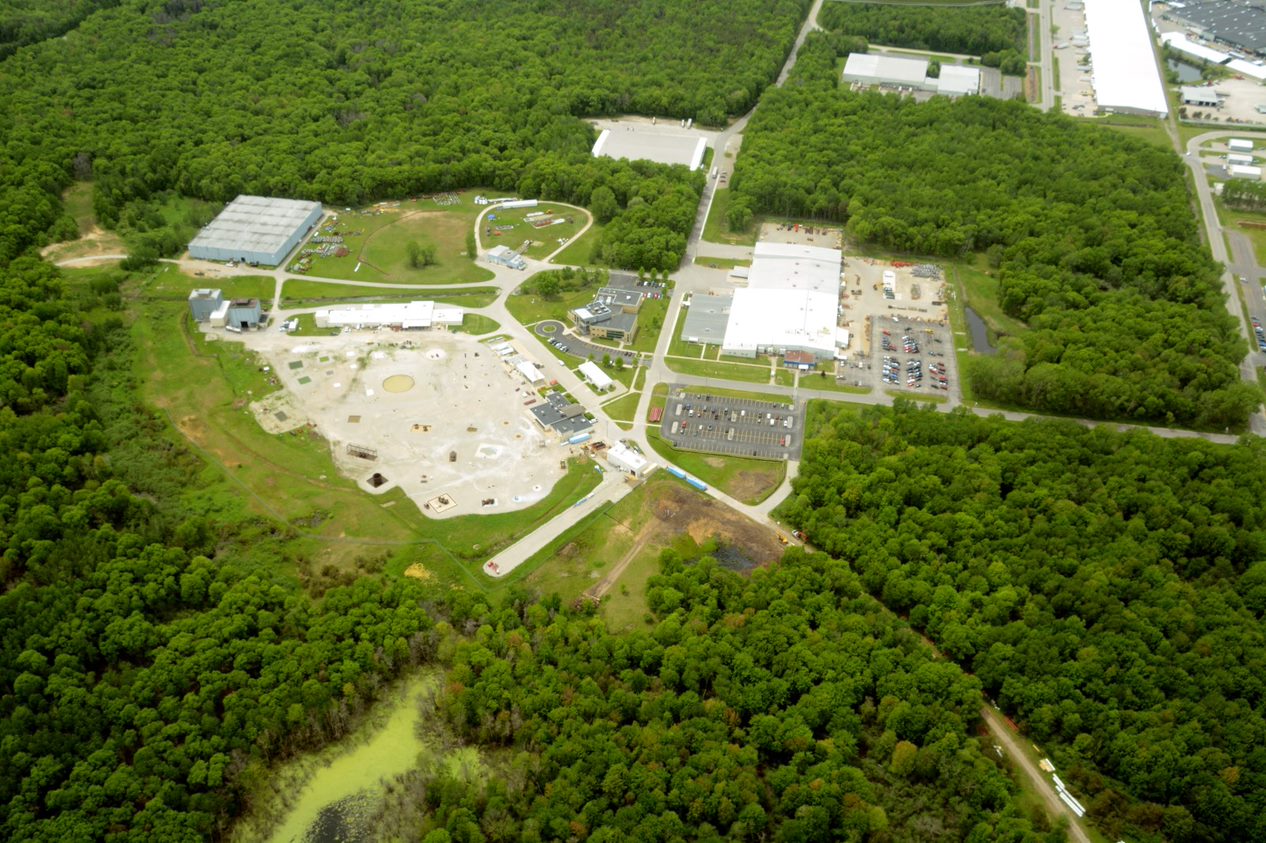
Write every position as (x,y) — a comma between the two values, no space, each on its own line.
(974,30)
(1108,589)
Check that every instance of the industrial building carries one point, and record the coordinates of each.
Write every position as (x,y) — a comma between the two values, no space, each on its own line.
(664,144)
(406,316)
(256,230)
(1238,25)
(203,303)
(597,378)
(1200,97)
(780,321)
(612,315)
(623,458)
(237,315)
(505,256)
(706,318)
(1243,171)
(560,414)
(1123,67)
(792,266)
(869,69)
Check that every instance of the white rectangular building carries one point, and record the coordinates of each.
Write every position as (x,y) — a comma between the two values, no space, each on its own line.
(414,315)
(1243,171)
(1202,97)
(893,71)
(957,80)
(1239,158)
(790,266)
(1125,75)
(596,377)
(1240,145)
(624,458)
(764,321)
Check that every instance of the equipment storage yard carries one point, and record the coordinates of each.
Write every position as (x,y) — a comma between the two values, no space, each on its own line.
(738,427)
(440,415)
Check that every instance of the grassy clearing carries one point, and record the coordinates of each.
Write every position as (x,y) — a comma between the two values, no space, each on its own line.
(825,380)
(204,387)
(981,290)
(580,252)
(477,324)
(1143,128)
(78,203)
(721,371)
(650,321)
(512,228)
(721,392)
(378,239)
(296,293)
(168,283)
(716,228)
(721,263)
(749,480)
(530,308)
(623,408)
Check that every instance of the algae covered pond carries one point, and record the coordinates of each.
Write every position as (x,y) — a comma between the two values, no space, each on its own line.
(331,795)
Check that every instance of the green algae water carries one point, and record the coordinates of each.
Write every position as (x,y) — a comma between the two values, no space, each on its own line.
(340,783)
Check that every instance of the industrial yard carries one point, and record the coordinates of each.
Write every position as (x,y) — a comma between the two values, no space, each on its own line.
(439,415)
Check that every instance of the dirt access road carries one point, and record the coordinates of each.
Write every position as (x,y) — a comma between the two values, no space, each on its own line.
(1040,782)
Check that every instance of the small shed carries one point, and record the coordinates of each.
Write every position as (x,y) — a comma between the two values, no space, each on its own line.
(203,303)
(505,256)
(1240,145)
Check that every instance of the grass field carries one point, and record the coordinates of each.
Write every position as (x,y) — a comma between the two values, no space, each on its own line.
(717,230)
(623,408)
(378,239)
(580,252)
(168,283)
(527,240)
(295,293)
(721,371)
(981,290)
(307,327)
(477,324)
(530,308)
(204,388)
(650,321)
(721,392)
(1151,131)
(749,480)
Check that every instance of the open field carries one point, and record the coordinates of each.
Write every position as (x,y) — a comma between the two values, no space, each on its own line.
(716,229)
(981,289)
(93,240)
(168,283)
(530,308)
(722,371)
(623,408)
(580,252)
(295,293)
(203,389)
(477,324)
(514,228)
(1144,128)
(378,239)
(630,535)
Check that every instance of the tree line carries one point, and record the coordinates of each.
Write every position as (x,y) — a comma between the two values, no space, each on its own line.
(995,33)
(1091,231)
(1107,589)
(348,102)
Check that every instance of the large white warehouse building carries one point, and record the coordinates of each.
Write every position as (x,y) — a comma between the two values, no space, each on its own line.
(256,229)
(1124,72)
(790,304)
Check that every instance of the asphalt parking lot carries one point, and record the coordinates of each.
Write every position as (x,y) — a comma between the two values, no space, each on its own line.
(579,348)
(913,356)
(733,426)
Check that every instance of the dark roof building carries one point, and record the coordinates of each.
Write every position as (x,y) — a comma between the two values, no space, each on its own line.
(1237,24)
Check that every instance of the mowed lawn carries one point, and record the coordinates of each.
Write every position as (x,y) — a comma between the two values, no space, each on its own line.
(514,228)
(302,293)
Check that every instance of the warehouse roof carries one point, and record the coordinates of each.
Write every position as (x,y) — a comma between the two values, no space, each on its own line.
(1124,68)
(595,375)
(958,80)
(892,69)
(1241,24)
(255,224)
(790,266)
(706,318)
(782,319)
(414,314)
(1202,94)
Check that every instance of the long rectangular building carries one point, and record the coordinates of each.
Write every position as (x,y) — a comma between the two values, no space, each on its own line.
(414,315)
(778,321)
(256,230)
(791,266)
(1124,72)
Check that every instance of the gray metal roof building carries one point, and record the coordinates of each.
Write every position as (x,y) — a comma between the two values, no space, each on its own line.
(1241,25)
(706,318)
(256,229)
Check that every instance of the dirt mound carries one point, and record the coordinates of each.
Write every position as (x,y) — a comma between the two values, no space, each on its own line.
(418,571)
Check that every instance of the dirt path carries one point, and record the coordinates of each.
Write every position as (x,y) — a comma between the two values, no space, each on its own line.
(604,585)
(1054,805)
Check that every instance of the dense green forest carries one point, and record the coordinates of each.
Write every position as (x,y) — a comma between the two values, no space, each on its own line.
(29,21)
(784,706)
(1091,232)
(351,101)
(995,33)
(1109,590)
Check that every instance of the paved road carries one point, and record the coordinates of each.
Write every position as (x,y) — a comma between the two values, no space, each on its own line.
(1040,781)
(1242,264)
(1046,51)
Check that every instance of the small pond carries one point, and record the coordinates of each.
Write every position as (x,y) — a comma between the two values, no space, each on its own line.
(979,333)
